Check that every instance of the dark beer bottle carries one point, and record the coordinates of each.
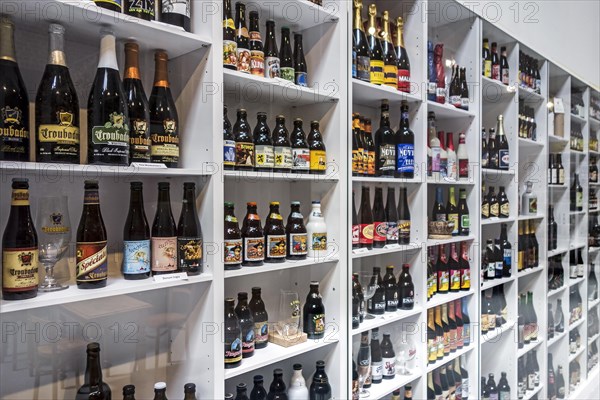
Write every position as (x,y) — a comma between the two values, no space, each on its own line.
(138,106)
(376,60)
(390,68)
(232,246)
(189,391)
(258,391)
(300,149)
(263,146)
(164,234)
(314,313)
(261,319)
(300,68)
(320,389)
(286,57)
(164,122)
(177,13)
(391,216)
(296,234)
(13,99)
(143,9)
(244,143)
(253,238)
(242,38)
(277,390)
(114,5)
(108,118)
(93,376)
(385,144)
(376,357)
(229,43)
(405,148)
(366,219)
(228,142)
(241,392)
(376,304)
(389,357)
(369,149)
(272,63)
(282,148)
(136,237)
(391,289)
(257,55)
(363,54)
(233,336)
(57,107)
(403,218)
(246,325)
(379,220)
(92,253)
(128,392)
(275,235)
(318,154)
(406,289)
(19,247)
(403,60)
(189,234)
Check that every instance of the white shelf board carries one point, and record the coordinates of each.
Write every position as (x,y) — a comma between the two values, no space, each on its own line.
(580,350)
(577,213)
(531,217)
(593,338)
(387,386)
(529,95)
(489,172)
(576,281)
(557,187)
(530,346)
(494,90)
(562,141)
(447,111)
(574,246)
(115,286)
(579,322)
(274,353)
(554,292)
(288,264)
(443,181)
(532,144)
(493,336)
(497,220)
(386,319)
(252,176)
(555,252)
(557,337)
(488,284)
(439,299)
(451,357)
(383,179)
(594,123)
(279,90)
(530,393)
(369,94)
(530,271)
(578,119)
(579,390)
(454,239)
(593,304)
(299,15)
(362,253)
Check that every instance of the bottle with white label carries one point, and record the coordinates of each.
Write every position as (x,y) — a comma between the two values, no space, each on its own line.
(298,389)
(529,201)
(317,232)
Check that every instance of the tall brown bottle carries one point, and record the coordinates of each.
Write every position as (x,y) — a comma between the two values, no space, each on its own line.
(92,253)
(189,234)
(164,122)
(366,220)
(232,246)
(136,237)
(93,382)
(253,238)
(261,319)
(164,234)
(275,237)
(379,220)
(296,234)
(19,247)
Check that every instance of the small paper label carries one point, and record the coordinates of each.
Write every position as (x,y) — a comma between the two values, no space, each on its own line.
(180,276)
(559,107)
(148,165)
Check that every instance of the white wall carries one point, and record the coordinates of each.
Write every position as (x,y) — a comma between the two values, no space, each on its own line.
(567,32)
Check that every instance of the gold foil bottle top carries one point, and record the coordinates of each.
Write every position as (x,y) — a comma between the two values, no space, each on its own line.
(132,64)
(7,43)
(57,43)
(161,72)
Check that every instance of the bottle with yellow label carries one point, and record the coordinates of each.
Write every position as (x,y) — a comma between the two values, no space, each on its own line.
(19,247)
(229,43)
(318,154)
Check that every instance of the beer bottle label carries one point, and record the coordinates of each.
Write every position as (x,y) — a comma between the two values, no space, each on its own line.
(354,70)
(432,350)
(283,157)
(316,324)
(261,332)
(455,100)
(59,139)
(248,340)
(465,222)
(298,244)
(243,59)
(503,159)
(244,154)
(136,257)
(392,231)
(459,337)
(404,229)
(272,69)
(14,135)
(176,7)
(264,156)
(371,162)
(408,301)
(487,68)
(435,159)
(579,199)
(92,261)
(112,138)
(301,159)
(376,371)
(390,75)
(363,68)
(455,279)
(465,279)
(254,249)
(164,254)
(404,80)
(257,57)
(366,233)
(230,51)
(189,254)
(301,78)
(233,350)
(443,281)
(380,231)
(276,246)
(431,89)
(20,269)
(376,69)
(229,152)
(496,72)
(318,160)
(20,197)
(288,74)
(464,103)
(116,3)
(165,141)
(139,141)
(454,219)
(142,7)
(389,368)
(485,210)
(387,157)
(319,241)
(494,210)
(233,251)
(504,210)
(463,168)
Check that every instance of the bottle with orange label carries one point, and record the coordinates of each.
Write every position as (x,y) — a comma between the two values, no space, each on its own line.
(253,239)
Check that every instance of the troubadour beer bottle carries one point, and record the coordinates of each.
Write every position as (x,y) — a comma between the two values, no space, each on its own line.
(232,246)
(254,240)
(296,234)
(232,336)
(136,237)
(92,254)
(138,106)
(189,234)
(19,247)
(164,234)
(275,237)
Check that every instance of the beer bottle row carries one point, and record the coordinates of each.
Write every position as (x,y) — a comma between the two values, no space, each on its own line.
(259,150)
(171,12)
(494,205)
(448,329)
(247,324)
(244,51)
(123,125)
(495,66)
(490,390)
(457,216)
(376,227)
(390,153)
(253,245)
(528,255)
(527,321)
(494,312)
(457,91)
(528,375)
(529,73)
(320,389)
(378,57)
(497,257)
(448,271)
(495,153)
(443,162)
(450,381)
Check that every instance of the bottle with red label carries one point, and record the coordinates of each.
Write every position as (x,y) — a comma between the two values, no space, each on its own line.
(355,224)
(379,220)
(164,234)
(465,268)
(92,253)
(463,157)
(366,220)
(403,61)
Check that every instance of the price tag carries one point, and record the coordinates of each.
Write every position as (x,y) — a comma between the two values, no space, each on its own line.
(362,250)
(392,246)
(148,165)
(180,276)
(559,107)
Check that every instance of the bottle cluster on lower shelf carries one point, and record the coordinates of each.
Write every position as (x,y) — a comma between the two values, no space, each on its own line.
(574,375)
(495,66)
(528,374)
(575,341)
(556,272)
(576,265)
(448,329)
(528,247)
(247,324)
(556,170)
(494,312)
(279,151)
(576,139)
(451,272)
(319,389)
(527,322)
(452,219)
(529,73)
(450,381)
(496,260)
(575,304)
(252,246)
(527,123)
(494,206)
(594,232)
(490,390)
(495,151)
(576,194)
(556,381)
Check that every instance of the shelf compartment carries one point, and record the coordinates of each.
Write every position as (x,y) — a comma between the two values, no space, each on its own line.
(593,338)
(578,119)
(439,299)
(593,304)
(289,264)
(579,352)
(370,95)
(386,319)
(451,357)
(556,338)
(496,220)
(115,286)
(362,253)
(594,123)
(447,111)
(298,14)
(278,90)
(491,337)
(488,284)
(529,95)
(251,176)
(454,239)
(528,347)
(389,180)
(530,271)
(274,353)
